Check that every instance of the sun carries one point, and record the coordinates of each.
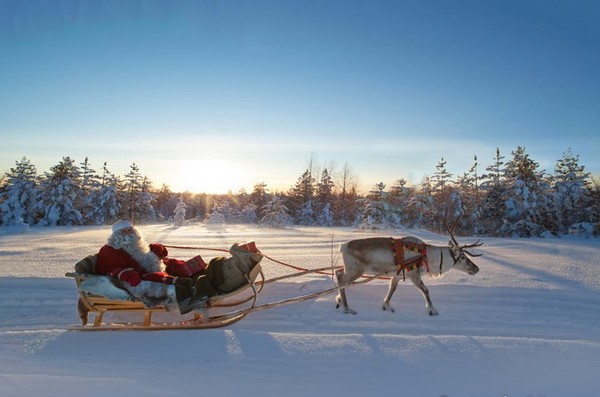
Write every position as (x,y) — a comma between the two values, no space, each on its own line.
(209,176)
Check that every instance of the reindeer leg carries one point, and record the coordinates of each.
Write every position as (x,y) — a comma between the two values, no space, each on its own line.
(341,296)
(432,311)
(392,288)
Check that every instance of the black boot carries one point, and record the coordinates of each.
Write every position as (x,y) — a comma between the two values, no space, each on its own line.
(183,295)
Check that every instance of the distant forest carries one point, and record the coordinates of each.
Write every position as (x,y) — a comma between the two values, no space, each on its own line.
(506,198)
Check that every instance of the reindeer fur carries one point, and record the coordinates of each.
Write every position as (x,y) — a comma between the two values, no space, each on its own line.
(375,256)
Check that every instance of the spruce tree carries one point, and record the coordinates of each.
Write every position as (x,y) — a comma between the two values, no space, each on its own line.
(528,211)
(493,187)
(60,190)
(276,213)
(301,199)
(20,194)
(571,195)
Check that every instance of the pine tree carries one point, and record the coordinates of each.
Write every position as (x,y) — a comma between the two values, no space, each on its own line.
(138,198)
(442,192)
(90,184)
(216,218)
(301,199)
(179,213)
(571,196)
(594,206)
(60,190)
(104,201)
(466,200)
(493,187)
(165,201)
(398,199)
(276,213)
(20,194)
(527,201)
(248,214)
(259,198)
(346,204)
(324,200)
(145,207)
(374,213)
(421,210)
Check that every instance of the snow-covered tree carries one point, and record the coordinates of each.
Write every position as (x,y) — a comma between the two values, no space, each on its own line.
(59,193)
(528,211)
(179,213)
(324,200)
(375,213)
(138,196)
(276,213)
(466,200)
(104,202)
(399,197)
(259,198)
(248,214)
(571,195)
(346,205)
(325,216)
(90,184)
(493,205)
(301,199)
(442,190)
(215,217)
(20,194)
(421,209)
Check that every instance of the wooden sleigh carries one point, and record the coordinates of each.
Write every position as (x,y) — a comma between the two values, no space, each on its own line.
(92,302)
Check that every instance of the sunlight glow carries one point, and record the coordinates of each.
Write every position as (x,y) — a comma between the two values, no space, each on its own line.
(209,176)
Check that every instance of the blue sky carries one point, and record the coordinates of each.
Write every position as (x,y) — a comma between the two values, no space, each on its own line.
(217,95)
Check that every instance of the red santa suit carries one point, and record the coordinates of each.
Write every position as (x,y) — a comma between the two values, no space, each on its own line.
(128,258)
(118,263)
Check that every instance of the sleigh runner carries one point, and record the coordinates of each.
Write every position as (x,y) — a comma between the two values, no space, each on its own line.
(100,294)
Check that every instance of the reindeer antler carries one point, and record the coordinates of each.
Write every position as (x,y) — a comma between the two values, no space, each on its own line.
(450,230)
(478,243)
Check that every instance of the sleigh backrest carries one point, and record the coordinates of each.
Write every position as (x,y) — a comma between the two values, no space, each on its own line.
(87,265)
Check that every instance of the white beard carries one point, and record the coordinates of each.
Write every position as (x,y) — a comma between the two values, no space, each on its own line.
(139,250)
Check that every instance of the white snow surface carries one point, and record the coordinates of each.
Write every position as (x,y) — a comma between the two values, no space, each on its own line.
(528,324)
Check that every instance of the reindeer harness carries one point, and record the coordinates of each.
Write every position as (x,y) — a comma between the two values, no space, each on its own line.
(398,247)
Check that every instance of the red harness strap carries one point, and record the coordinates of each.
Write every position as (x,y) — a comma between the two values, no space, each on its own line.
(398,247)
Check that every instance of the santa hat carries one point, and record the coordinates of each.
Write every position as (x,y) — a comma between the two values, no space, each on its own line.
(122,224)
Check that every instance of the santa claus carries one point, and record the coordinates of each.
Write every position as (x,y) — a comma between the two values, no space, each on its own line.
(128,257)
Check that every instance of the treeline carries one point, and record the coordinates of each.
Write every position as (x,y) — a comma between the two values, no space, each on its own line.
(512,198)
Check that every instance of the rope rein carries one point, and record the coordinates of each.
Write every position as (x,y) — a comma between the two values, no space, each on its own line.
(301,269)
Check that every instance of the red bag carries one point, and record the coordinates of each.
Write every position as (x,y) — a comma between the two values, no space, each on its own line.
(250,246)
(177,267)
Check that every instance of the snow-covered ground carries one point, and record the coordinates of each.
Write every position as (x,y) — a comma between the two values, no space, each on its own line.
(527,325)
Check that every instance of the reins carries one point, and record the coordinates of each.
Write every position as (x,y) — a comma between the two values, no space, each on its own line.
(300,269)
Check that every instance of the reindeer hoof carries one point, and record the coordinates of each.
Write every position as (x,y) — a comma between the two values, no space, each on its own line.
(347,310)
(386,306)
(432,311)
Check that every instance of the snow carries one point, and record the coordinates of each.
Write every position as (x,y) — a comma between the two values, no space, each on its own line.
(526,325)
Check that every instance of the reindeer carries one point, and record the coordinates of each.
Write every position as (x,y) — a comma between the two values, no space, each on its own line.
(410,259)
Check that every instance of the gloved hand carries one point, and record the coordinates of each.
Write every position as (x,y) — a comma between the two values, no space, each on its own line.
(159,250)
(159,277)
(130,276)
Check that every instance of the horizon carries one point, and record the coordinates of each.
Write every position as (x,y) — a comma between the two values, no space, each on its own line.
(245,93)
(361,189)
